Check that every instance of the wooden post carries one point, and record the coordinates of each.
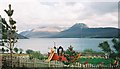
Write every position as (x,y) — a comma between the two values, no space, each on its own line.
(49,64)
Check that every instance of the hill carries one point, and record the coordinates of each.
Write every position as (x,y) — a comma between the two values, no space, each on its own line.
(79,30)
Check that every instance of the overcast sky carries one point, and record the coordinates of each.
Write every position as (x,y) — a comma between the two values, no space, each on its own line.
(63,13)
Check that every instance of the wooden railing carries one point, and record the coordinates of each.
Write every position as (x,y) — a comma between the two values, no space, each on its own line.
(35,63)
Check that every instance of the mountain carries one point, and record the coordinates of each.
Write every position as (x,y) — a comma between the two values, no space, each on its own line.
(32,34)
(21,36)
(79,30)
(41,32)
(78,26)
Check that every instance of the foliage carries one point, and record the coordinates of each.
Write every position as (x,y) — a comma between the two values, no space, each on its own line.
(105,47)
(91,51)
(21,50)
(3,50)
(16,50)
(9,37)
(116,45)
(36,54)
(70,54)
(29,51)
(7,50)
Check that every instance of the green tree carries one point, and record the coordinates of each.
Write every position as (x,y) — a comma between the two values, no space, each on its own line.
(9,36)
(21,50)
(88,51)
(7,50)
(34,54)
(105,47)
(16,50)
(116,45)
(91,51)
(37,54)
(3,50)
(29,51)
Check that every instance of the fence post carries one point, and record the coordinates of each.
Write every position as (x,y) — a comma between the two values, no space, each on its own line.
(49,64)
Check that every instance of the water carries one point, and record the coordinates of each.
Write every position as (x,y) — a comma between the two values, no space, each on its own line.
(79,44)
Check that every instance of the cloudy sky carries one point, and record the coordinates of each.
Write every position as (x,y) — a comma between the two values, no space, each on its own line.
(62,13)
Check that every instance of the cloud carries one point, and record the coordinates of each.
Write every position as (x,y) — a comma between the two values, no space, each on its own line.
(79,0)
(100,14)
(104,7)
(107,20)
(34,13)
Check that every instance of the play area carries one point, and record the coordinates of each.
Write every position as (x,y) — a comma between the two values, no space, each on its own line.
(67,57)
(70,56)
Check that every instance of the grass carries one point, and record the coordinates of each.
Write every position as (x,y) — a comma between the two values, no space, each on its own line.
(96,61)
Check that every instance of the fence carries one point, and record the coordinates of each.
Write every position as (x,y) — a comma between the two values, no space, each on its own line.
(35,63)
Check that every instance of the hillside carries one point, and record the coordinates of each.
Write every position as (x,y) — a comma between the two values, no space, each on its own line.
(78,30)
(40,32)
